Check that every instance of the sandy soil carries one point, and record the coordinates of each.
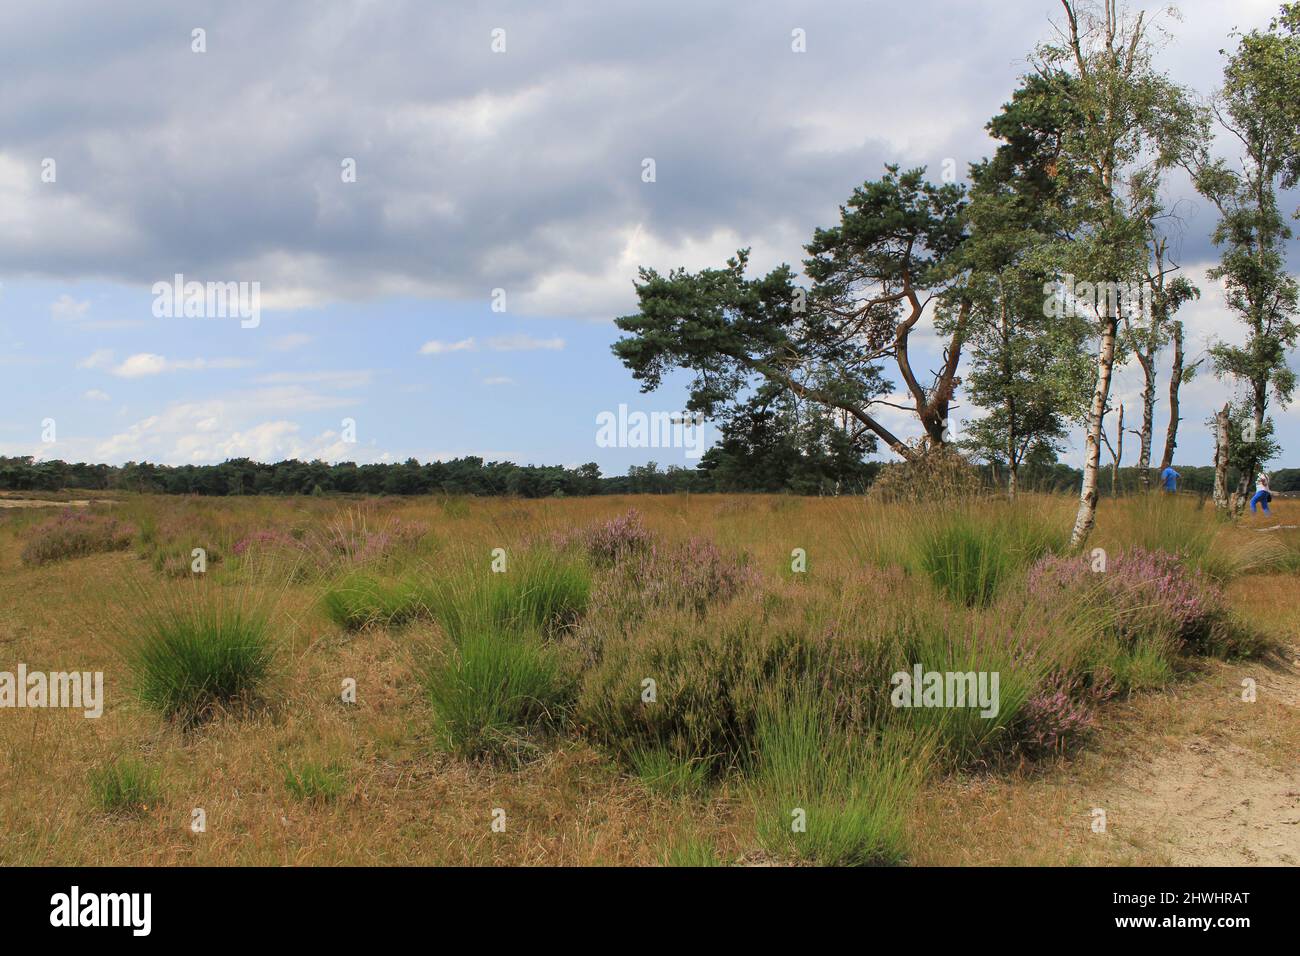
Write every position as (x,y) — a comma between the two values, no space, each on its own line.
(1214,801)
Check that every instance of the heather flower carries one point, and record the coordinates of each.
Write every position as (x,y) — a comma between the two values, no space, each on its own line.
(75,534)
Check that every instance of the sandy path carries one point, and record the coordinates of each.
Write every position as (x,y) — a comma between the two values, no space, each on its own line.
(1213,801)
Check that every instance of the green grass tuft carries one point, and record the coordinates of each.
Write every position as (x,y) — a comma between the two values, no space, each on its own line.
(314,782)
(188,663)
(492,688)
(125,786)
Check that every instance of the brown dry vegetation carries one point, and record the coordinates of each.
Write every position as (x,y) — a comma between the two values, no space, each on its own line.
(403,800)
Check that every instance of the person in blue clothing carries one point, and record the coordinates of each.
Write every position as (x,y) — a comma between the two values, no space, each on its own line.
(1169,479)
(1262,495)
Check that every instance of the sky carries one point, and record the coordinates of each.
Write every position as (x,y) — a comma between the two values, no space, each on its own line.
(442,206)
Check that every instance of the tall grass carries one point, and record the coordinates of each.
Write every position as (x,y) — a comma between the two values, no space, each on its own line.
(828,796)
(361,600)
(969,550)
(492,688)
(189,662)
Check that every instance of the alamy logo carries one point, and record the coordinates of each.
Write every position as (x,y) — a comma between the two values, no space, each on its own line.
(208,300)
(923,688)
(80,690)
(654,430)
(103,909)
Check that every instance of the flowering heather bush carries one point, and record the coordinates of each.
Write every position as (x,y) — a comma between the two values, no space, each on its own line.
(689,575)
(338,544)
(1057,716)
(264,541)
(613,541)
(1148,591)
(74,534)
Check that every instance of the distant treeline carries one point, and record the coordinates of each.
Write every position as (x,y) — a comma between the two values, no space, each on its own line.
(474,476)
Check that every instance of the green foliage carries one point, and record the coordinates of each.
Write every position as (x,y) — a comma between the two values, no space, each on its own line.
(361,600)
(662,771)
(969,553)
(315,782)
(692,852)
(125,786)
(189,662)
(492,688)
(829,797)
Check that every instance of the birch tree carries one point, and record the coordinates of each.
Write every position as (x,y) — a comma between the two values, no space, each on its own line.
(1129,121)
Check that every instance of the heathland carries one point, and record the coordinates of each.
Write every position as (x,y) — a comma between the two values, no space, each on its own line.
(648,679)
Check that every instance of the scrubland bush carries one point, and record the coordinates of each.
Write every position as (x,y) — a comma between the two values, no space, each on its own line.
(941,474)
(74,534)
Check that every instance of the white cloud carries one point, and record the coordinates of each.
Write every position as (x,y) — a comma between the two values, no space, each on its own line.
(499,380)
(95,395)
(148,363)
(333,379)
(523,343)
(100,358)
(66,308)
(435,347)
(233,427)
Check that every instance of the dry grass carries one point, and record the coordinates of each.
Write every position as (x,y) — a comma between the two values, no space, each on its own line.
(405,802)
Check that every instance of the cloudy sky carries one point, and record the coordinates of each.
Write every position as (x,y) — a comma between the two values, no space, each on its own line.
(483,177)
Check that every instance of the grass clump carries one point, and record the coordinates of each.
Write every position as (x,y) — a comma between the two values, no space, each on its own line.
(190,662)
(827,796)
(969,554)
(125,786)
(662,771)
(361,600)
(545,594)
(494,687)
(315,782)
(691,851)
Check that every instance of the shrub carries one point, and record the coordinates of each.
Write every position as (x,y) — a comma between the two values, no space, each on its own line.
(940,474)
(1059,715)
(74,534)
(709,683)
(608,543)
(1146,592)
(188,663)
(494,687)
(125,786)
(691,575)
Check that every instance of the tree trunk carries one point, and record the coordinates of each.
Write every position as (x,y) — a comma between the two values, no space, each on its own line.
(1119,454)
(1221,451)
(1087,514)
(1175,381)
(1148,421)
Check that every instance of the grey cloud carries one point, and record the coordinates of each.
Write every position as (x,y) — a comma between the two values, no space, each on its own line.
(477,170)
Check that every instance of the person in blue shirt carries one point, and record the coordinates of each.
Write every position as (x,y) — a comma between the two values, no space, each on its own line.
(1169,479)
